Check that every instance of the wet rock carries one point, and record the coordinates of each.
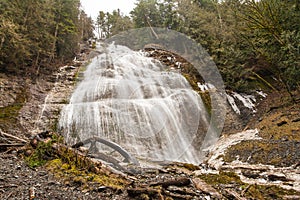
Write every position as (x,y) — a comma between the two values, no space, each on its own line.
(291,197)
(277,177)
(251,174)
(28,152)
(296,120)
(281,123)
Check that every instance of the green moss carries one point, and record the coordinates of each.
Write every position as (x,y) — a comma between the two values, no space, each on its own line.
(268,192)
(82,176)
(40,156)
(221,178)
(191,167)
(43,152)
(249,191)
(70,166)
(270,152)
(54,125)
(9,114)
(270,130)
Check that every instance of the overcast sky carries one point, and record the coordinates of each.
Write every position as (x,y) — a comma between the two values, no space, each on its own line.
(92,7)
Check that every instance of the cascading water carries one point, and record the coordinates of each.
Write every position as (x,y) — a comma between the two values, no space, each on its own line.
(138,103)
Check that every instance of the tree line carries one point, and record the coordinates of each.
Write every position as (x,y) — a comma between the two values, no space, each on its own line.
(253,43)
(35,34)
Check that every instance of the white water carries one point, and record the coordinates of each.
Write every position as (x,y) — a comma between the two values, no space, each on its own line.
(137,103)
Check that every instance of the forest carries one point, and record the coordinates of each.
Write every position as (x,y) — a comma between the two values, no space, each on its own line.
(35,34)
(250,41)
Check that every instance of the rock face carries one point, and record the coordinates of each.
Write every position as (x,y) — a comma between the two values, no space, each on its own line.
(47,98)
(249,169)
(28,106)
(9,89)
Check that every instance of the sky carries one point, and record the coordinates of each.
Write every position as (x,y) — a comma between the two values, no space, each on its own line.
(92,7)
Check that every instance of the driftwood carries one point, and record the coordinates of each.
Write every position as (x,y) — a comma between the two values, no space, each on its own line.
(81,159)
(11,145)
(112,145)
(112,161)
(175,182)
(207,189)
(12,136)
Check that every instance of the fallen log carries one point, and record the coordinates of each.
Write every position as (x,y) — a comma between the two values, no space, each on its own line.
(110,160)
(12,136)
(5,145)
(183,181)
(79,158)
(123,152)
(205,188)
(71,155)
(182,190)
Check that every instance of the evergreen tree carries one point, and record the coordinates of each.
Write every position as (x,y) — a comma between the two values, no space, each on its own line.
(147,13)
(112,23)
(34,32)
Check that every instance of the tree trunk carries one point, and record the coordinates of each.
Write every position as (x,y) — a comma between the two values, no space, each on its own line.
(54,42)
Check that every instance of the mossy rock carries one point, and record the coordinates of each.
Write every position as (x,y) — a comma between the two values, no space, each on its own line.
(230,179)
(82,176)
(281,125)
(274,152)
(9,114)
(67,164)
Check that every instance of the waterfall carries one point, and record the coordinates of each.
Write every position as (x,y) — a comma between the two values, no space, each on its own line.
(138,103)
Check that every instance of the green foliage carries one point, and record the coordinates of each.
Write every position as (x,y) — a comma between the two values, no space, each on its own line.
(250,41)
(147,13)
(43,152)
(109,24)
(39,156)
(34,32)
(274,36)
